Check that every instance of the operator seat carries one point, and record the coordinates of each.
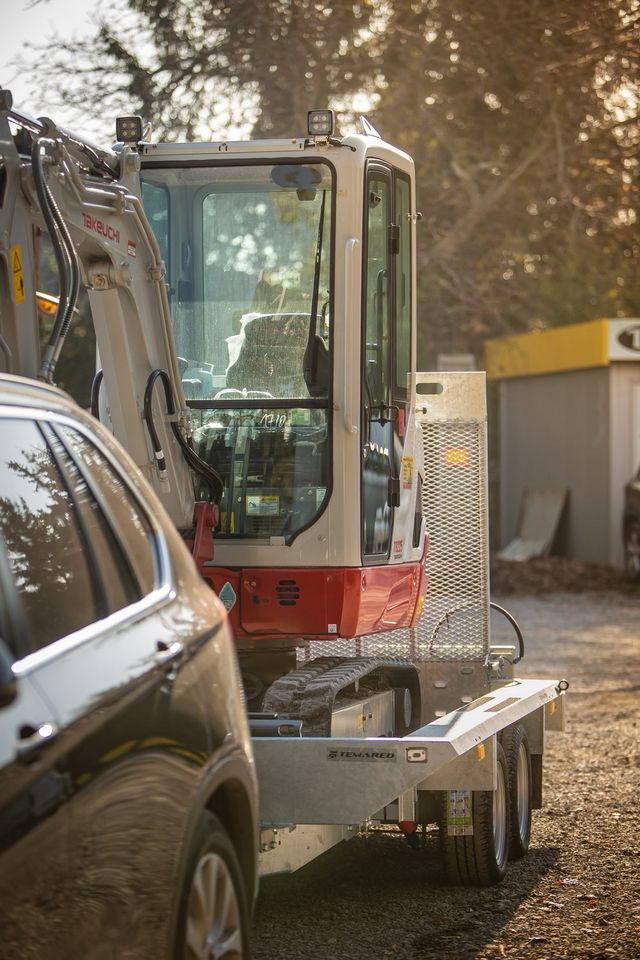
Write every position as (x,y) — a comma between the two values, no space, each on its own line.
(271,355)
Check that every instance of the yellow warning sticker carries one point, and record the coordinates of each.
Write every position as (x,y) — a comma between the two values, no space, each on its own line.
(18,274)
(407,472)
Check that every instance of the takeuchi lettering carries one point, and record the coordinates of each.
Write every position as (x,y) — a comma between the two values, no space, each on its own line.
(100,227)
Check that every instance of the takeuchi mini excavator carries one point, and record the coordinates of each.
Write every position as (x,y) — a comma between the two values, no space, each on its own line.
(254,306)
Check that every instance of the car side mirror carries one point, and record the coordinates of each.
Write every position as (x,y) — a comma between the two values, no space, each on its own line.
(8,685)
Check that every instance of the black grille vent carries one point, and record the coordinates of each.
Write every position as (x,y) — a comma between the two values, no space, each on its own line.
(288,593)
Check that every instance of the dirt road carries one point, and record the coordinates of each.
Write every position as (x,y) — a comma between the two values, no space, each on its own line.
(576,894)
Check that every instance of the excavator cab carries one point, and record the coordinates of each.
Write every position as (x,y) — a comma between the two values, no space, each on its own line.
(290,273)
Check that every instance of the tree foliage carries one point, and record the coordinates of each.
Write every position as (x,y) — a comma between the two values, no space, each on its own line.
(199,68)
(522,118)
(523,121)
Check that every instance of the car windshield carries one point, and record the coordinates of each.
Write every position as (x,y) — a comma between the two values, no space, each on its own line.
(248,254)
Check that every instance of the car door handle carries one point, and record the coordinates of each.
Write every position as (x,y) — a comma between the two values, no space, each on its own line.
(31,739)
(168,652)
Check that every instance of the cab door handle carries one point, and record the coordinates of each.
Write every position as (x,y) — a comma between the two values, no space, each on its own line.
(31,739)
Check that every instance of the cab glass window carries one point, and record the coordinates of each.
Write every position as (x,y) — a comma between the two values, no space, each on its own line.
(250,274)
(377,307)
(248,250)
(156,206)
(403,287)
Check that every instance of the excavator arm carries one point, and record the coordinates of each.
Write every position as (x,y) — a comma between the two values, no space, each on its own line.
(81,196)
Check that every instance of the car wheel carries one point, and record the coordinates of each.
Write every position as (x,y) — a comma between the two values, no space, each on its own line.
(632,550)
(214,923)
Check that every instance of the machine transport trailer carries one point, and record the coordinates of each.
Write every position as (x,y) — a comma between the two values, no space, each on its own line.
(254,305)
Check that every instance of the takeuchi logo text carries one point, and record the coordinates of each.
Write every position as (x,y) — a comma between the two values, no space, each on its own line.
(101,228)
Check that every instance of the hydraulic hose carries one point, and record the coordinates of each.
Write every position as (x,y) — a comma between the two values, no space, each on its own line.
(66,261)
(210,476)
(516,626)
(494,606)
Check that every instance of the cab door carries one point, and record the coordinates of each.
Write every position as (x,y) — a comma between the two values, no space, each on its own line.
(386,352)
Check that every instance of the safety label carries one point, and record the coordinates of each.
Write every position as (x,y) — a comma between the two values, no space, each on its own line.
(263,506)
(460,813)
(17,273)
(407,472)
(228,597)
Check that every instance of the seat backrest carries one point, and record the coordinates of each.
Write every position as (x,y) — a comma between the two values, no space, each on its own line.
(271,355)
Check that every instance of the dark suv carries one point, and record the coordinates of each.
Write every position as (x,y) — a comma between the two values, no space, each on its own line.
(127,787)
(631,528)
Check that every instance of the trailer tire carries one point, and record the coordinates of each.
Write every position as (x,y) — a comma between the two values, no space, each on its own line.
(480,860)
(516,747)
(214,915)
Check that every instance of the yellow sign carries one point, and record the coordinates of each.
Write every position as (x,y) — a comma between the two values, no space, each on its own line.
(18,275)
(407,472)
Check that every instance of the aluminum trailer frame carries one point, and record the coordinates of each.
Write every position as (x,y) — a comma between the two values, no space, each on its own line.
(327,788)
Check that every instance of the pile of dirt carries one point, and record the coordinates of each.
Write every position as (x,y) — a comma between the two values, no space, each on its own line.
(556,575)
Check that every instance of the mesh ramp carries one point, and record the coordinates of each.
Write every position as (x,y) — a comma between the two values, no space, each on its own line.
(451,414)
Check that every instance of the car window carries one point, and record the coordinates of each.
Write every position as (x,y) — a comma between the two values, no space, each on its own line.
(45,546)
(116,581)
(117,502)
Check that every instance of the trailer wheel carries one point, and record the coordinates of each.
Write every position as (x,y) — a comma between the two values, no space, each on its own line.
(214,917)
(480,860)
(516,747)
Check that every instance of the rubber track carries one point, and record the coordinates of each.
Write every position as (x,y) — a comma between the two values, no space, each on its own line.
(308,694)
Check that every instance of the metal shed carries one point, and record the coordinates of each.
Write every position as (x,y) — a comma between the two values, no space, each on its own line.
(569,417)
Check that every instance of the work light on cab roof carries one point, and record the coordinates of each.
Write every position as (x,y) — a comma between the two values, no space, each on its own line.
(320,123)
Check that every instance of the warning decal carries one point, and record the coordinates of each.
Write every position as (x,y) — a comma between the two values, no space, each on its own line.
(228,597)
(459,813)
(263,505)
(407,472)
(17,273)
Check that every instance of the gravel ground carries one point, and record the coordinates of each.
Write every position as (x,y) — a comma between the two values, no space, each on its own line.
(576,894)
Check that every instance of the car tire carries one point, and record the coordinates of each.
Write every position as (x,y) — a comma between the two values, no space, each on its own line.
(214,918)
(632,550)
